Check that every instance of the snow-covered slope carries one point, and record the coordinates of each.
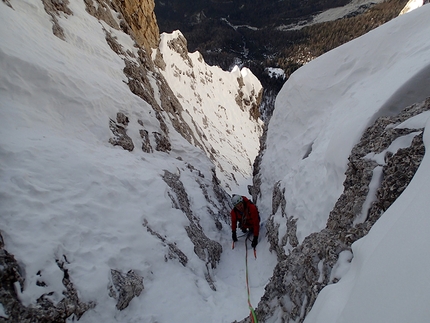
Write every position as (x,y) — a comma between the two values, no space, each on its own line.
(74,208)
(388,277)
(321,113)
(72,204)
(325,106)
(211,97)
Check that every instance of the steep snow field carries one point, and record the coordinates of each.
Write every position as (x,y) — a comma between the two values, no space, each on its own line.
(320,114)
(66,193)
(325,106)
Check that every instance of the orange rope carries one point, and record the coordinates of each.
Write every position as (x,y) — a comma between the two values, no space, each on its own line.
(252,313)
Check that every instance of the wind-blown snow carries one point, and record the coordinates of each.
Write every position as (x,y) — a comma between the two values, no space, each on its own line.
(64,191)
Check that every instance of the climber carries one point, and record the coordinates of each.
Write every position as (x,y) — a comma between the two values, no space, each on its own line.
(246,214)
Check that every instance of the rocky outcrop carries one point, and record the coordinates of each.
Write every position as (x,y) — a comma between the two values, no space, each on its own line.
(173,251)
(140,16)
(125,287)
(179,45)
(206,249)
(54,9)
(299,276)
(45,310)
(102,11)
(119,130)
(136,18)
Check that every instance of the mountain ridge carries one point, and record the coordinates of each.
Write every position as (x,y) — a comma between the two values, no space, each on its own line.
(258,47)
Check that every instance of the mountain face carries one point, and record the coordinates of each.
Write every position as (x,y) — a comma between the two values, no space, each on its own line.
(140,17)
(120,149)
(230,144)
(315,223)
(139,21)
(310,265)
(95,78)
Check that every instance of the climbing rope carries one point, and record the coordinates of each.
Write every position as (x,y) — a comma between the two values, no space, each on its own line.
(252,313)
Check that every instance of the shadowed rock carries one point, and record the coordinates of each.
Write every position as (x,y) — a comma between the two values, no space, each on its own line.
(207,250)
(125,287)
(299,276)
(44,310)
(119,130)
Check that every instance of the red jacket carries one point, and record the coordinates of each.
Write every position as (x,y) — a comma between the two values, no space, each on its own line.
(248,220)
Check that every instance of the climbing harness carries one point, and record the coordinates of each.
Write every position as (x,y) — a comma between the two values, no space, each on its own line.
(252,313)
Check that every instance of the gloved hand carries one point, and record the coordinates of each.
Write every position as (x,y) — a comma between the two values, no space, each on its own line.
(234,236)
(254,242)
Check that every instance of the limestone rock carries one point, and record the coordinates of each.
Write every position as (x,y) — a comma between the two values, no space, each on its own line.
(54,8)
(206,249)
(119,130)
(174,252)
(45,310)
(125,287)
(146,143)
(140,16)
(101,10)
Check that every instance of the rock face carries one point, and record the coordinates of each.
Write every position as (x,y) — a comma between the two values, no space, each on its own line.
(152,77)
(207,250)
(137,18)
(11,275)
(54,9)
(214,117)
(157,71)
(300,275)
(140,16)
(119,131)
(125,287)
